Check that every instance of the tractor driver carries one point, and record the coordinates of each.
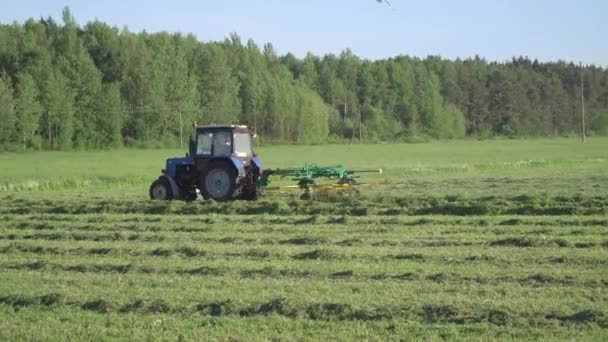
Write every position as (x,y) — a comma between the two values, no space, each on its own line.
(222,144)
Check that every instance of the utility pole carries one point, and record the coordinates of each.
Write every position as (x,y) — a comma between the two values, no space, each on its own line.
(352,137)
(48,121)
(360,127)
(583,137)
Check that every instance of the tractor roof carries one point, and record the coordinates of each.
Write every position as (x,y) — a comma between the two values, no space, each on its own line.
(222,126)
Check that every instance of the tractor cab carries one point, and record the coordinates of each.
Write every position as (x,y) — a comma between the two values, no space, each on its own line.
(229,141)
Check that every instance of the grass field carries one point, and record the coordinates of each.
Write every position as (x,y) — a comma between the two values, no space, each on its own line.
(456,240)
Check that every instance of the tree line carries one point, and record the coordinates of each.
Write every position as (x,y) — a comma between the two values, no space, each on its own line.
(65,86)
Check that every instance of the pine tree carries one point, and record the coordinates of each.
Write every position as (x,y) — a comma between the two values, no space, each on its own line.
(501,103)
(555,99)
(472,80)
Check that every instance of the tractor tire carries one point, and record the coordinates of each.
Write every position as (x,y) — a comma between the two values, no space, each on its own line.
(218,182)
(161,190)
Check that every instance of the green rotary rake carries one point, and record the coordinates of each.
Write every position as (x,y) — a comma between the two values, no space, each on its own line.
(307,179)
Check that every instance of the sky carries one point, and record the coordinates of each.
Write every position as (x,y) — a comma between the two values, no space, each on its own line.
(497,30)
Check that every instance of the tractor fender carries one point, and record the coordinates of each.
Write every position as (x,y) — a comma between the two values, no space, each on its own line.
(177,194)
(240,167)
(234,161)
(257,163)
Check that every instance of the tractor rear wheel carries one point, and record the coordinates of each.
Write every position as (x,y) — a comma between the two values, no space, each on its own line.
(161,190)
(219,182)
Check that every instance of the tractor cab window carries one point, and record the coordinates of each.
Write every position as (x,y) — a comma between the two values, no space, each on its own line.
(218,144)
(222,144)
(204,144)
(242,145)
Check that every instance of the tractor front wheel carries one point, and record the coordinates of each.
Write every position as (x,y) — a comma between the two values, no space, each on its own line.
(161,190)
(219,182)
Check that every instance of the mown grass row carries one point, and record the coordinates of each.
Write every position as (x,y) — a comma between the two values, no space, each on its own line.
(589,259)
(476,266)
(465,240)
(427,314)
(75,183)
(160,326)
(135,222)
(169,220)
(534,280)
(314,230)
(185,289)
(356,206)
(213,252)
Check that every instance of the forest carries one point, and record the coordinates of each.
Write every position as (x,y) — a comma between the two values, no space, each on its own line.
(65,86)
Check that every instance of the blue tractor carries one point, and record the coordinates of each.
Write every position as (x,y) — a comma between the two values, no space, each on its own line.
(220,165)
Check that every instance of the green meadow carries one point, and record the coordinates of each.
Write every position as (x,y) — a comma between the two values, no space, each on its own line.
(460,240)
